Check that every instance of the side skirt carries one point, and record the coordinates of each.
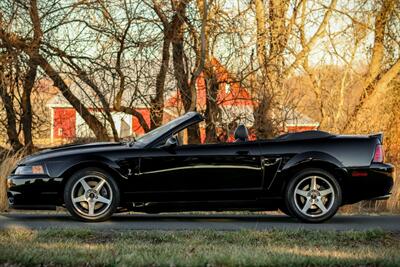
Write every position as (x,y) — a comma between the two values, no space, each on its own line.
(227,205)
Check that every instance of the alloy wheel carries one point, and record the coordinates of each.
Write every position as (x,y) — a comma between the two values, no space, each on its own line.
(91,196)
(314,196)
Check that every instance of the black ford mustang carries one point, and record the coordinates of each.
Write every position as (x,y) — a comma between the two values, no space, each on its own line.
(307,175)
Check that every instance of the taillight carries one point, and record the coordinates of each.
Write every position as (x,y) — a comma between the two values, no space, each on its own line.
(378,156)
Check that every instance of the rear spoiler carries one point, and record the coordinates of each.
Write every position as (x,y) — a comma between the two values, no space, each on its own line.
(378,135)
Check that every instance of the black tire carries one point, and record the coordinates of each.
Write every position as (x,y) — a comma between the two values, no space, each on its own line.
(109,191)
(314,198)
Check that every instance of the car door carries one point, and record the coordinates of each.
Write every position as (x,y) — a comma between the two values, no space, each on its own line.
(202,172)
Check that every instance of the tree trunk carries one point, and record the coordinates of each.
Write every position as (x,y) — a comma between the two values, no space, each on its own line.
(205,65)
(3,194)
(157,102)
(11,119)
(262,122)
(270,66)
(182,76)
(212,110)
(27,105)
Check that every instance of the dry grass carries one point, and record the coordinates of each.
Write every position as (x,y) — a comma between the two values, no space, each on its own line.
(7,164)
(393,204)
(81,247)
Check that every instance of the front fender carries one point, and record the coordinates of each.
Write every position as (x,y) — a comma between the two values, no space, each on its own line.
(68,166)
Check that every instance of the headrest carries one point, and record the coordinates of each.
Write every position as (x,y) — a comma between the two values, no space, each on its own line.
(241,133)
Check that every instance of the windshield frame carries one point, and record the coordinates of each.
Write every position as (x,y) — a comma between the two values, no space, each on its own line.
(160,134)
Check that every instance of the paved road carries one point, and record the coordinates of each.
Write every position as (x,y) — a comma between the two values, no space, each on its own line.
(185,222)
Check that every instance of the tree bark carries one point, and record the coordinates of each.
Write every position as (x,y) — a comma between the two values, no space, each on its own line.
(12,132)
(26,104)
(30,77)
(157,102)
(206,66)
(271,64)
(182,76)
(212,109)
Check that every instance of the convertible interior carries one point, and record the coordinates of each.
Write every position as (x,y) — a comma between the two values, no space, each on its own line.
(241,134)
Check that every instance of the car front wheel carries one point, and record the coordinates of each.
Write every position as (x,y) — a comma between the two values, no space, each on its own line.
(91,195)
(313,195)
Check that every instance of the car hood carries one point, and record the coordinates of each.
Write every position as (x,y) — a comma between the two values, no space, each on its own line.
(70,149)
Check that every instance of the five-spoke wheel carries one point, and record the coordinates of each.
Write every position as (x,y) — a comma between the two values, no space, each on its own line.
(313,195)
(91,195)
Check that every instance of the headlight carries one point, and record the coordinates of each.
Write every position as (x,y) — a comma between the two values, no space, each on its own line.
(35,169)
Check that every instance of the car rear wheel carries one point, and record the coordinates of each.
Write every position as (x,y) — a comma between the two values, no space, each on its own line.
(313,195)
(91,195)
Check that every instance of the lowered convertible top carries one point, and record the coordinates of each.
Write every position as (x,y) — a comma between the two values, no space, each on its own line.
(304,135)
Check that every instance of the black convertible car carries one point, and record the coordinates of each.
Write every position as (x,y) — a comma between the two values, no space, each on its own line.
(307,175)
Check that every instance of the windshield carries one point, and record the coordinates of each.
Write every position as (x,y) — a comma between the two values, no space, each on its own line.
(157,132)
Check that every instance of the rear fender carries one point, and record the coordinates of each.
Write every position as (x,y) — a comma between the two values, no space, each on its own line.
(311,156)
(312,159)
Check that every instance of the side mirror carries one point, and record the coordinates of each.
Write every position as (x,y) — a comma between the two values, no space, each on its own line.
(171,142)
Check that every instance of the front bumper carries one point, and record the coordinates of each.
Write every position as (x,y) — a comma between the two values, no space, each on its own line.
(34,192)
(374,182)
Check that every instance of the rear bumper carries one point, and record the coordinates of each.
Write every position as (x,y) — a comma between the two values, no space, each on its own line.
(34,192)
(374,182)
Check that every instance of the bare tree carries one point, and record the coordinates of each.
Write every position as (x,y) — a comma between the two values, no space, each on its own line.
(380,72)
(30,46)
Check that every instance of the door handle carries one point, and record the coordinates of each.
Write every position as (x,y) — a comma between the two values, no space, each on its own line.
(242,152)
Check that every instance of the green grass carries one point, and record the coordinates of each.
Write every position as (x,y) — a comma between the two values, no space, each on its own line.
(199,248)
